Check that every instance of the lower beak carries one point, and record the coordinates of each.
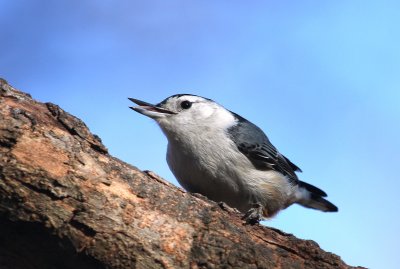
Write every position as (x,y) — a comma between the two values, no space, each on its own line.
(150,110)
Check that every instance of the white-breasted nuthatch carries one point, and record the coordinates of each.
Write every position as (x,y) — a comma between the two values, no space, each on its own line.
(223,156)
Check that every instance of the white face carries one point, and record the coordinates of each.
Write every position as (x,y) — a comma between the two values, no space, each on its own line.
(186,112)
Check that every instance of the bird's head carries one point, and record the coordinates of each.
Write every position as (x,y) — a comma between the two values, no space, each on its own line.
(186,112)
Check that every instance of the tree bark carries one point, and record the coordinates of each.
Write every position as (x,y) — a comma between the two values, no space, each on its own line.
(66,203)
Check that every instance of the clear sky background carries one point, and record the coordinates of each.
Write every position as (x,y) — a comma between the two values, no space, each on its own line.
(321,78)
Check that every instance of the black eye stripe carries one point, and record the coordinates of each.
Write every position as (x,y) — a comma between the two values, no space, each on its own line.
(186,104)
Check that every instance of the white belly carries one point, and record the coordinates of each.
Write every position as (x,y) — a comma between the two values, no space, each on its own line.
(222,173)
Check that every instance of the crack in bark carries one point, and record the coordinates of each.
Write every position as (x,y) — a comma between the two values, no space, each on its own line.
(88,231)
(42,191)
(294,251)
(279,245)
(48,193)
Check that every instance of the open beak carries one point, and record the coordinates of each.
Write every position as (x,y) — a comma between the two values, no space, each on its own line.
(150,110)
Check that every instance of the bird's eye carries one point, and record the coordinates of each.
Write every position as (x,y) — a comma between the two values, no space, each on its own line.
(186,104)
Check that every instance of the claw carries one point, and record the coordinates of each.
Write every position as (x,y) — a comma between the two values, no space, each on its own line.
(254,215)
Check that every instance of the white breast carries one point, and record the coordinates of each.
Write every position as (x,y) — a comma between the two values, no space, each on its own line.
(212,169)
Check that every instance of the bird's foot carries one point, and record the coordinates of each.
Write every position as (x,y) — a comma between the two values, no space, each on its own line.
(254,215)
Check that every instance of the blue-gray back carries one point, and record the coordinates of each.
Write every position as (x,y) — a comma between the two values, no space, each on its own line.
(253,143)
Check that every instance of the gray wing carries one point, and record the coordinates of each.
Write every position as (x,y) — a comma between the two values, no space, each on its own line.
(253,143)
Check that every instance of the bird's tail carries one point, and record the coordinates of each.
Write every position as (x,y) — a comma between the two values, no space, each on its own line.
(312,197)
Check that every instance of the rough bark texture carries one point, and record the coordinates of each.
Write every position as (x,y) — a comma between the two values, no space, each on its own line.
(66,203)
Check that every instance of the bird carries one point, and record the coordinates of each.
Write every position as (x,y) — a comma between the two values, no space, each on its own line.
(223,156)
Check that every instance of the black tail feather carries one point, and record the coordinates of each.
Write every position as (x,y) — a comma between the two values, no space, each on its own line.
(322,204)
(312,189)
(312,197)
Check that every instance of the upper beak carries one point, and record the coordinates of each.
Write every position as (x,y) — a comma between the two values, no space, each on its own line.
(149,110)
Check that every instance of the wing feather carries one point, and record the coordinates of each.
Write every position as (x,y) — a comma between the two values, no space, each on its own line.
(255,145)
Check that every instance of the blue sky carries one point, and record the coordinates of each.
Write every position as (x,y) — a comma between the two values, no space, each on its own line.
(321,78)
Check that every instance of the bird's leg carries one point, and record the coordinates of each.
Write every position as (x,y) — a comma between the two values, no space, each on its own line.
(254,215)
